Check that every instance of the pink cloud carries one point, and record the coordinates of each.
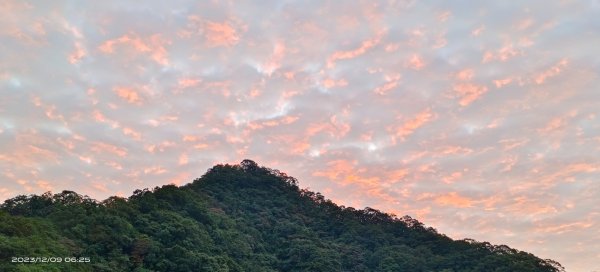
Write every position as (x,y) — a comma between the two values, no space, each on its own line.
(183,159)
(158,52)
(335,169)
(397,175)
(221,34)
(114,165)
(502,82)
(299,147)
(291,144)
(100,118)
(509,144)
(443,16)
(184,83)
(129,95)
(108,46)
(334,128)
(392,82)
(563,228)
(454,176)
(364,47)
(503,54)
(100,186)
(29,150)
(508,163)
(44,185)
(392,47)
(454,199)
(557,123)
(413,124)
(524,24)
(415,62)
(161,147)
(85,159)
(180,179)
(132,133)
(465,75)
(332,83)
(100,147)
(468,92)
(190,138)
(77,54)
(553,125)
(25,184)
(477,31)
(154,46)
(530,207)
(155,170)
(551,72)
(275,59)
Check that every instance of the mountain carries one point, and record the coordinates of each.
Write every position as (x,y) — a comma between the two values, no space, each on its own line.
(234,218)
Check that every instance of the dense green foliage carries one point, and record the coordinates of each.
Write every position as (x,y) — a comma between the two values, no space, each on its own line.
(234,218)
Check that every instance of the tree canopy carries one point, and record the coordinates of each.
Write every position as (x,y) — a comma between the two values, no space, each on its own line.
(234,218)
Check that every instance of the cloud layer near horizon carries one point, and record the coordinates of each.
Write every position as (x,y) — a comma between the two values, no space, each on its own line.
(480,119)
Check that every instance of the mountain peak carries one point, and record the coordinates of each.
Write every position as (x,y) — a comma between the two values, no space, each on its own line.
(242,217)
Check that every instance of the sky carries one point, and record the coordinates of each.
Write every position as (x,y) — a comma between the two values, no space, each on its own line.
(478,118)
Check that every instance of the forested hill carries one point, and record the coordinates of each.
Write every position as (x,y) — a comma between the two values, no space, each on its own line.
(234,218)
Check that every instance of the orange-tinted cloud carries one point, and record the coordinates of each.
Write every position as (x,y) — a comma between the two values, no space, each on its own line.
(465,75)
(184,83)
(364,47)
(190,138)
(454,199)
(392,82)
(453,177)
(416,62)
(183,159)
(180,179)
(158,52)
(331,83)
(551,72)
(414,123)
(100,147)
(44,185)
(502,82)
(503,54)
(553,125)
(530,207)
(443,16)
(136,43)
(274,61)
(155,170)
(334,128)
(129,95)
(221,34)
(509,144)
(28,150)
(132,133)
(468,92)
(336,168)
(152,46)
(563,228)
(78,53)
(451,150)
(477,31)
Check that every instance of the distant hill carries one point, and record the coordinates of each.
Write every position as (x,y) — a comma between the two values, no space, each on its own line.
(234,218)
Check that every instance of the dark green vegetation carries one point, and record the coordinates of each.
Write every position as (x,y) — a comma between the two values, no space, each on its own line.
(234,218)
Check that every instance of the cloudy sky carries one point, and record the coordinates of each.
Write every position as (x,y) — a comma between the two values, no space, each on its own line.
(479,118)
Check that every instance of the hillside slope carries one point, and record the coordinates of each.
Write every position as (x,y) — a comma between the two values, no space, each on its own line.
(234,218)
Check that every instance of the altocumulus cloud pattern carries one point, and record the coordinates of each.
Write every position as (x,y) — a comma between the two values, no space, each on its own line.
(477,117)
